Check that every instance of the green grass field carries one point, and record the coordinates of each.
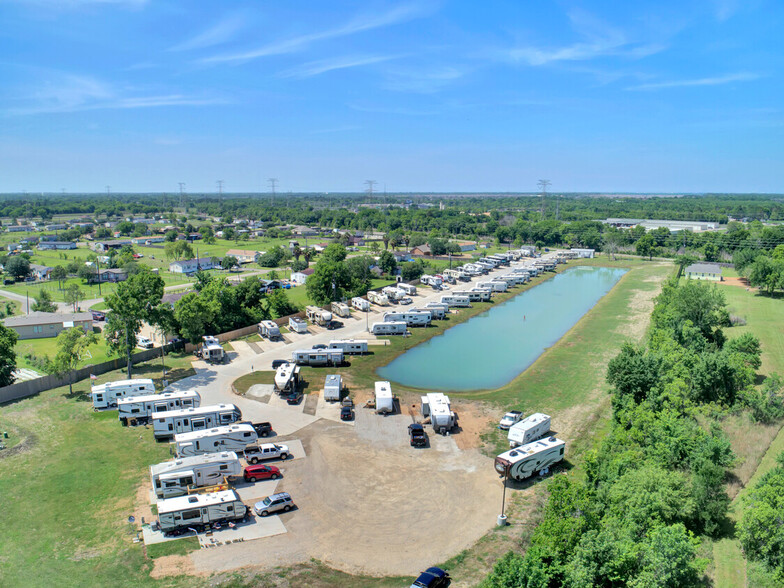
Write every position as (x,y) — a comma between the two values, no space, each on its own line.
(48,347)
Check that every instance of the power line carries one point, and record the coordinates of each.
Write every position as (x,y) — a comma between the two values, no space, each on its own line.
(542,184)
(370,185)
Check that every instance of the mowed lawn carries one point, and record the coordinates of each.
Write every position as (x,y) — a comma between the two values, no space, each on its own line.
(68,493)
(98,353)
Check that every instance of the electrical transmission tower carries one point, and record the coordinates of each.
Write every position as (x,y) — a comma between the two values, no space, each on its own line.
(543,187)
(370,185)
(108,190)
(273,182)
(220,188)
(182,194)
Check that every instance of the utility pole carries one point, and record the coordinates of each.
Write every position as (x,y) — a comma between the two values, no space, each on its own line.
(272,183)
(557,206)
(543,187)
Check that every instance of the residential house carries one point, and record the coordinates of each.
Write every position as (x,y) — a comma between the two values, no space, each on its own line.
(14,247)
(421,250)
(40,272)
(299,278)
(39,325)
(18,228)
(584,253)
(245,255)
(104,246)
(355,241)
(189,266)
(56,227)
(28,241)
(467,246)
(303,231)
(60,245)
(148,240)
(704,271)
(110,275)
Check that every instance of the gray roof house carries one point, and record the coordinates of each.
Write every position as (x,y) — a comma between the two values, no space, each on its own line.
(704,271)
(39,325)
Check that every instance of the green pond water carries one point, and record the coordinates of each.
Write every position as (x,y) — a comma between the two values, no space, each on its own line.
(491,349)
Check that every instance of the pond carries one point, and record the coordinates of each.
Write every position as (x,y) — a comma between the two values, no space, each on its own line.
(491,349)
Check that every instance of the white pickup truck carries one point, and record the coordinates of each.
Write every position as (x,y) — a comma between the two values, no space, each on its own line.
(510,418)
(257,452)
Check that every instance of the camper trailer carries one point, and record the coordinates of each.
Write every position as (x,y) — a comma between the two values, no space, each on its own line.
(436,406)
(199,510)
(412,318)
(333,385)
(526,460)
(106,395)
(318,316)
(393,294)
(378,298)
(168,424)
(220,439)
(318,357)
(485,295)
(211,350)
(392,328)
(138,410)
(432,281)
(475,295)
(176,477)
(492,285)
(297,325)
(341,309)
(529,429)
(269,330)
(385,402)
(350,346)
(409,289)
(456,301)
(286,377)
(360,304)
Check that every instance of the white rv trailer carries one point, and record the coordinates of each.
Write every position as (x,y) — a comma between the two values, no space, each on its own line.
(235,437)
(500,258)
(510,281)
(318,316)
(137,410)
(437,406)
(174,478)
(269,330)
(409,289)
(434,306)
(392,328)
(211,349)
(199,510)
(432,281)
(286,377)
(493,285)
(350,346)
(394,294)
(455,301)
(106,395)
(378,298)
(169,423)
(451,275)
(474,269)
(318,357)
(485,294)
(385,402)
(526,272)
(412,318)
(333,385)
(438,313)
(526,460)
(479,295)
(360,304)
(297,325)
(529,429)
(341,309)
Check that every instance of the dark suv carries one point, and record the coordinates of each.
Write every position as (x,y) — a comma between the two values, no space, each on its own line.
(432,578)
(416,434)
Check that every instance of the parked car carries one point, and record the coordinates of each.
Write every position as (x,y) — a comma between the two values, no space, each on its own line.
(264,451)
(143,342)
(319,346)
(262,429)
(406,300)
(510,418)
(346,414)
(432,578)
(332,325)
(294,397)
(252,473)
(417,436)
(276,363)
(274,503)
(98,315)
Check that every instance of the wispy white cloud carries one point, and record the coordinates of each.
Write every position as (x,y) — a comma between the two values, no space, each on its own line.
(366,22)
(598,39)
(424,81)
(716,81)
(315,68)
(64,93)
(215,35)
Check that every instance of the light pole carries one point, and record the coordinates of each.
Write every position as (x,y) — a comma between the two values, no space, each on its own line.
(502,516)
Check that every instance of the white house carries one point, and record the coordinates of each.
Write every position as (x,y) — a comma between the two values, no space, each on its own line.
(299,278)
(245,255)
(189,266)
(587,253)
(704,271)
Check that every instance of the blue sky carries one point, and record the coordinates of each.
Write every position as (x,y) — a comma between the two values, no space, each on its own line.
(421,96)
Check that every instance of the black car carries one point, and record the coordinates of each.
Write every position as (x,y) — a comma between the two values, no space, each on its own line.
(294,398)
(276,363)
(319,346)
(346,414)
(416,434)
(332,325)
(432,578)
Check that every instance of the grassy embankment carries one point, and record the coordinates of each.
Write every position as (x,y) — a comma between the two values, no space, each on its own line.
(756,445)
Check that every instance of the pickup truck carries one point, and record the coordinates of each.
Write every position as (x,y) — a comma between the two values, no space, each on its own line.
(263,451)
(262,429)
(416,434)
(510,418)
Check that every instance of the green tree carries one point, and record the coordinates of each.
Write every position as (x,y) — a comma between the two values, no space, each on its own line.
(711,251)
(59,273)
(170,236)
(278,304)
(228,262)
(387,262)
(646,246)
(136,300)
(194,314)
(683,261)
(71,345)
(8,339)
(43,302)
(18,267)
(761,531)
(329,281)
(73,295)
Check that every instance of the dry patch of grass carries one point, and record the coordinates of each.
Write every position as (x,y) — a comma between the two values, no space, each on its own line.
(749,441)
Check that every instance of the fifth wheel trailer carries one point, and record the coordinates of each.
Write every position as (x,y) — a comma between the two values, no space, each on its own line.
(360,304)
(318,357)
(409,289)
(378,298)
(475,295)
(529,429)
(106,395)
(385,402)
(524,461)
(436,406)
(168,424)
(138,410)
(199,510)
(341,309)
(286,377)
(235,437)
(269,330)
(174,478)
(318,316)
